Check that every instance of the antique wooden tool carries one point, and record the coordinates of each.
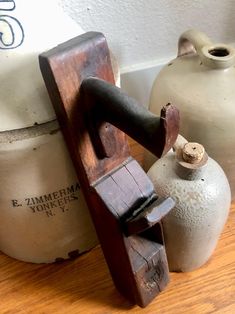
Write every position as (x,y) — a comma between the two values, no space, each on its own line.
(125,209)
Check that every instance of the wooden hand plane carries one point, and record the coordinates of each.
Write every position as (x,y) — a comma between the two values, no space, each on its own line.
(93,115)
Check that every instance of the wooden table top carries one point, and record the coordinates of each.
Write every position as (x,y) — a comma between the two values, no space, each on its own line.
(84,285)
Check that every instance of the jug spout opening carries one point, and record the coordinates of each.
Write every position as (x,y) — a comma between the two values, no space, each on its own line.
(219,51)
(219,56)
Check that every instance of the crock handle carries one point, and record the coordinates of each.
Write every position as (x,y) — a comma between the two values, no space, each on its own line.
(192,41)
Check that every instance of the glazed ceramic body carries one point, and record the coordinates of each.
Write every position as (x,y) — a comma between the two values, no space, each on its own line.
(192,228)
(200,82)
(42,211)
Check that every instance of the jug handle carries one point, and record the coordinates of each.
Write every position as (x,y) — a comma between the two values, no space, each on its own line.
(192,41)
(179,143)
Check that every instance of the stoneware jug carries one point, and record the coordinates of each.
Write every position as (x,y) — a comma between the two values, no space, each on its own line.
(202,194)
(42,210)
(200,82)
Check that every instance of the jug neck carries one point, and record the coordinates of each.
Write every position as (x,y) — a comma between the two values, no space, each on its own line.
(191,161)
(218,56)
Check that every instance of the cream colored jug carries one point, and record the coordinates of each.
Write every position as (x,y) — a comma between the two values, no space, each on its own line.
(200,82)
(42,211)
(202,195)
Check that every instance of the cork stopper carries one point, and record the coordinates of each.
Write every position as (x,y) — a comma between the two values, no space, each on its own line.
(193,153)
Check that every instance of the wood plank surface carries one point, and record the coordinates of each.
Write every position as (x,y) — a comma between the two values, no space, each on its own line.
(84,285)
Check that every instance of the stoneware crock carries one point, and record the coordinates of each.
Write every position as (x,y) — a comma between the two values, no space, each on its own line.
(202,195)
(42,211)
(200,82)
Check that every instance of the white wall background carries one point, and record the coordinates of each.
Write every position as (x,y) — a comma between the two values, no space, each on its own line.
(140,31)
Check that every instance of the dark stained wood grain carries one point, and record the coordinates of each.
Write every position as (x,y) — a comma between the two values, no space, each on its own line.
(124,194)
(154,210)
(114,185)
(64,68)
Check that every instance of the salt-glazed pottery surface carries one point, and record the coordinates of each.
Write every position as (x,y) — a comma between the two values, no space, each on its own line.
(42,211)
(202,195)
(200,82)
